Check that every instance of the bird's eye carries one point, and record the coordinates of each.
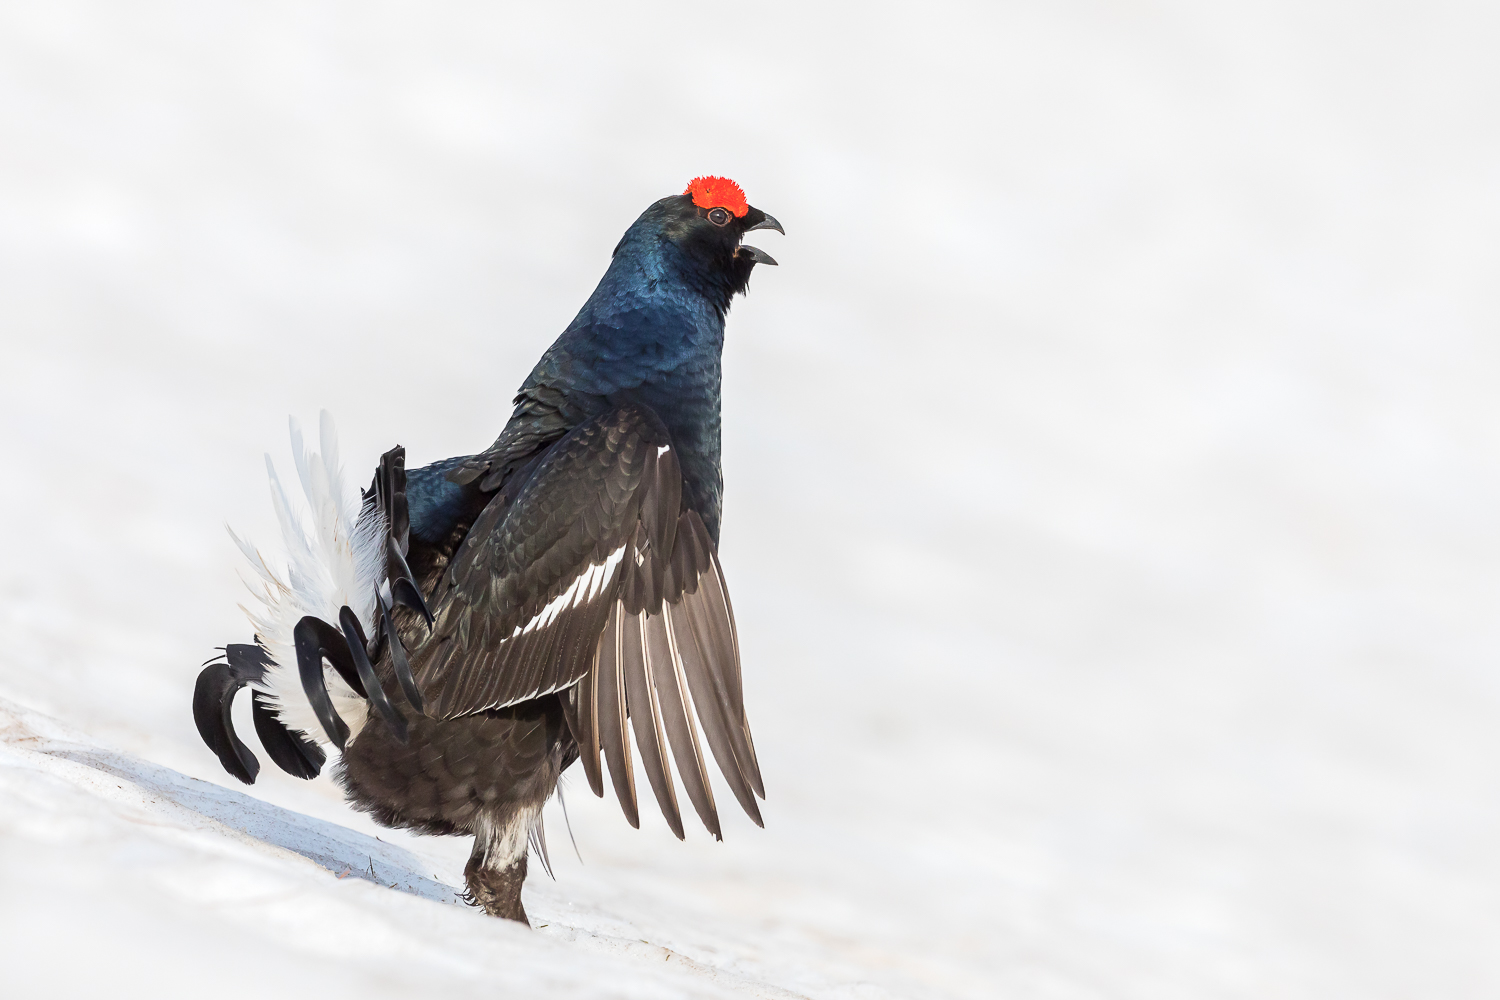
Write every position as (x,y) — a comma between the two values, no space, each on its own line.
(719,217)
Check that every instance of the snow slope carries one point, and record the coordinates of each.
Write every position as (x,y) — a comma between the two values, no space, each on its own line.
(213,887)
(1111,483)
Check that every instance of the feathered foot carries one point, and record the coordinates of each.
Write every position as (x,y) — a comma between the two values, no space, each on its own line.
(497,890)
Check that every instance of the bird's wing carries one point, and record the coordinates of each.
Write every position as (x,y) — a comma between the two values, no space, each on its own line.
(655,658)
(526,595)
(543,414)
(591,571)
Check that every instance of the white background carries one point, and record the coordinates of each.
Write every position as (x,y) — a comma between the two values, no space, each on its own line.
(1111,482)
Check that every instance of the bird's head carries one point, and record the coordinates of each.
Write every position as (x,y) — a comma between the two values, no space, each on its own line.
(706,224)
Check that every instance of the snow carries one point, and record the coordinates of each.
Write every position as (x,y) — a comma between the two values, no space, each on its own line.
(1111,484)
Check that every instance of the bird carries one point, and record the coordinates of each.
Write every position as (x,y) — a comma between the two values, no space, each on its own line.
(465,631)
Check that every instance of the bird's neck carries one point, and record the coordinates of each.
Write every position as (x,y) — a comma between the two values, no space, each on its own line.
(654,277)
(645,326)
(647,336)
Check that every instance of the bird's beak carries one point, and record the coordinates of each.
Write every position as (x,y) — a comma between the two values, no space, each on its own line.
(757,255)
(769,222)
(766,222)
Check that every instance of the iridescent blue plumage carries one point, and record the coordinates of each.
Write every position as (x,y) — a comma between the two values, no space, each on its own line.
(652,333)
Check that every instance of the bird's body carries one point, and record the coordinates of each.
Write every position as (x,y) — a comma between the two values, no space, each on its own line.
(569,569)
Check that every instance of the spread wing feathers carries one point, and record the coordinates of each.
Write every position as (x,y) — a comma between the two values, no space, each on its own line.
(590,571)
(650,666)
(521,607)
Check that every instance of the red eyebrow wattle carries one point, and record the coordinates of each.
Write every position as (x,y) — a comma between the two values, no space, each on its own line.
(718,192)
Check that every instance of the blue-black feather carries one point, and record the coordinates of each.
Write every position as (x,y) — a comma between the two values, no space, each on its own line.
(652,333)
(434,504)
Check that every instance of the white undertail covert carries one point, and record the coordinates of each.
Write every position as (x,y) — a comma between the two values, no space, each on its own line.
(334,556)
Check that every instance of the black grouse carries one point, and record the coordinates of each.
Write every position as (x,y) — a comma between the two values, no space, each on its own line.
(465,631)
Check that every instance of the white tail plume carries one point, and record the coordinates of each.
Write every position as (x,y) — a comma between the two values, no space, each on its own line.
(336,560)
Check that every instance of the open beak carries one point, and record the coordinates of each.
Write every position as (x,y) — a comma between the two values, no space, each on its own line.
(754,253)
(769,222)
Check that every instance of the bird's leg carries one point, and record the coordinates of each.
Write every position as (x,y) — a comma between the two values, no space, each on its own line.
(497,890)
(497,867)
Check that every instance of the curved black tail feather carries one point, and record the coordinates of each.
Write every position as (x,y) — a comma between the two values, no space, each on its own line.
(293,752)
(344,646)
(389,490)
(399,663)
(354,635)
(316,640)
(213,698)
